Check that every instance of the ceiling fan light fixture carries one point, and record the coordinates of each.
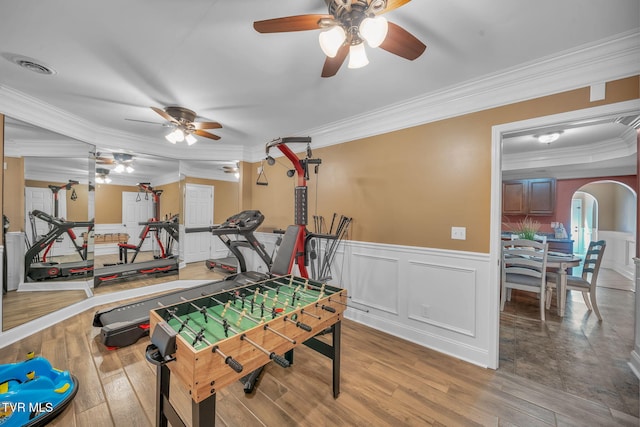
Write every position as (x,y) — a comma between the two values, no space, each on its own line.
(171,137)
(119,168)
(190,139)
(548,138)
(331,40)
(374,30)
(357,56)
(129,169)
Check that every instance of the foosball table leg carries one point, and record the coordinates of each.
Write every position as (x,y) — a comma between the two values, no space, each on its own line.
(204,413)
(336,359)
(162,392)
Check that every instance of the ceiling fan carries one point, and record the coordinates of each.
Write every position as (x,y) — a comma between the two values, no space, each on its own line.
(122,161)
(184,125)
(347,26)
(231,169)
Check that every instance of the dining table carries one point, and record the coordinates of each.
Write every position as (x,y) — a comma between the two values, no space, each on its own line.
(561,263)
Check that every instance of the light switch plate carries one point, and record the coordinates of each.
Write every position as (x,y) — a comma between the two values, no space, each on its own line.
(459,233)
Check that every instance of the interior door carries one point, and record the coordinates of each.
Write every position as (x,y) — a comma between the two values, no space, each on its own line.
(136,208)
(198,213)
(41,199)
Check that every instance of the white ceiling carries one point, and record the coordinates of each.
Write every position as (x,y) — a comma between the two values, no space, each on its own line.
(114,60)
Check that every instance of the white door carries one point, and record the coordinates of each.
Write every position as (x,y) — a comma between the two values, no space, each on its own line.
(42,199)
(198,206)
(136,208)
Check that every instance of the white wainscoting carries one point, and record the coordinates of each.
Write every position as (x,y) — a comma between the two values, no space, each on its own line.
(619,253)
(436,298)
(16,247)
(439,299)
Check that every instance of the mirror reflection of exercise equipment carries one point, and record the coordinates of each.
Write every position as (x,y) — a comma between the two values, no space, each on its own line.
(38,261)
(162,233)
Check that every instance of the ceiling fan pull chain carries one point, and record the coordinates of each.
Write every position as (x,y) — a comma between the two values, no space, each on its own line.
(138,198)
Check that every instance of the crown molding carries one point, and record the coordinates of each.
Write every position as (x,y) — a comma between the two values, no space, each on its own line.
(614,148)
(608,60)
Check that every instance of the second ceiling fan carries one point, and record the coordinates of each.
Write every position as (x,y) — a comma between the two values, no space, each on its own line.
(185,126)
(347,26)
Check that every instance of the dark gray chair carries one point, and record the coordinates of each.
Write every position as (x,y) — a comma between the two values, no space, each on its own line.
(586,283)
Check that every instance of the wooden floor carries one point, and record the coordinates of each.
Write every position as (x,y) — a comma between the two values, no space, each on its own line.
(577,353)
(45,302)
(386,381)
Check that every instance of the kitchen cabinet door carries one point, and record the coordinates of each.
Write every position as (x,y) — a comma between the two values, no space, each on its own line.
(514,197)
(542,196)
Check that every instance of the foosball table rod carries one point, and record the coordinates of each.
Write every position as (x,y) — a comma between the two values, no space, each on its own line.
(273,356)
(233,364)
(257,321)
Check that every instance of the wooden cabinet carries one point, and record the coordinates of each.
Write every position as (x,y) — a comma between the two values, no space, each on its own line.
(529,196)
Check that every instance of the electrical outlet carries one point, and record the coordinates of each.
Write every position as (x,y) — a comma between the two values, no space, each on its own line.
(459,233)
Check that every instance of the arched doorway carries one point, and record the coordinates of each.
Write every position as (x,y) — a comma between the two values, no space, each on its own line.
(606,210)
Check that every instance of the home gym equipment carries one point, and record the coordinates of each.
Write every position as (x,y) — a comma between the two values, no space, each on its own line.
(36,269)
(323,245)
(166,262)
(33,393)
(124,325)
(301,169)
(243,225)
(211,341)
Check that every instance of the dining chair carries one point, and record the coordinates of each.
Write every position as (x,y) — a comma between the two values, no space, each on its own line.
(586,283)
(524,264)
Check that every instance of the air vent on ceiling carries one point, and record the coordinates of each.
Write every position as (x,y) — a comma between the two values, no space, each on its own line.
(30,64)
(631,121)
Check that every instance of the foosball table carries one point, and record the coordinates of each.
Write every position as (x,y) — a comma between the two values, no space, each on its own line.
(209,342)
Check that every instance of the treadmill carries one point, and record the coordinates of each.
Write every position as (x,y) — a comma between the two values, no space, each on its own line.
(166,263)
(126,324)
(36,269)
(242,225)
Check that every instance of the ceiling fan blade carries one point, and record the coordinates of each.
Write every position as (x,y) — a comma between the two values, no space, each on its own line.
(402,43)
(206,134)
(143,121)
(394,4)
(164,115)
(290,23)
(332,65)
(207,125)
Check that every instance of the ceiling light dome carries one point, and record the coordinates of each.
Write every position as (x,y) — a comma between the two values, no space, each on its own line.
(548,138)
(331,40)
(374,30)
(357,56)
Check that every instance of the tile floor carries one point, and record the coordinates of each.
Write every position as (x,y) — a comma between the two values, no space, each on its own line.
(576,354)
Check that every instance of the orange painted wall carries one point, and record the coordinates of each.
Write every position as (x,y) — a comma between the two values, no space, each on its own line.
(411,186)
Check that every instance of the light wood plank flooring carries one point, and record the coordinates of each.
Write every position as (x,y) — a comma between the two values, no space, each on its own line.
(386,381)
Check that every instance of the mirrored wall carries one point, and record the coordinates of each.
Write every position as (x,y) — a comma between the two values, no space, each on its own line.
(48,213)
(137,220)
(120,213)
(210,193)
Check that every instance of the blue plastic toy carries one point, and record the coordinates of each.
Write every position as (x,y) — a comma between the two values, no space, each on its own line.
(32,392)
